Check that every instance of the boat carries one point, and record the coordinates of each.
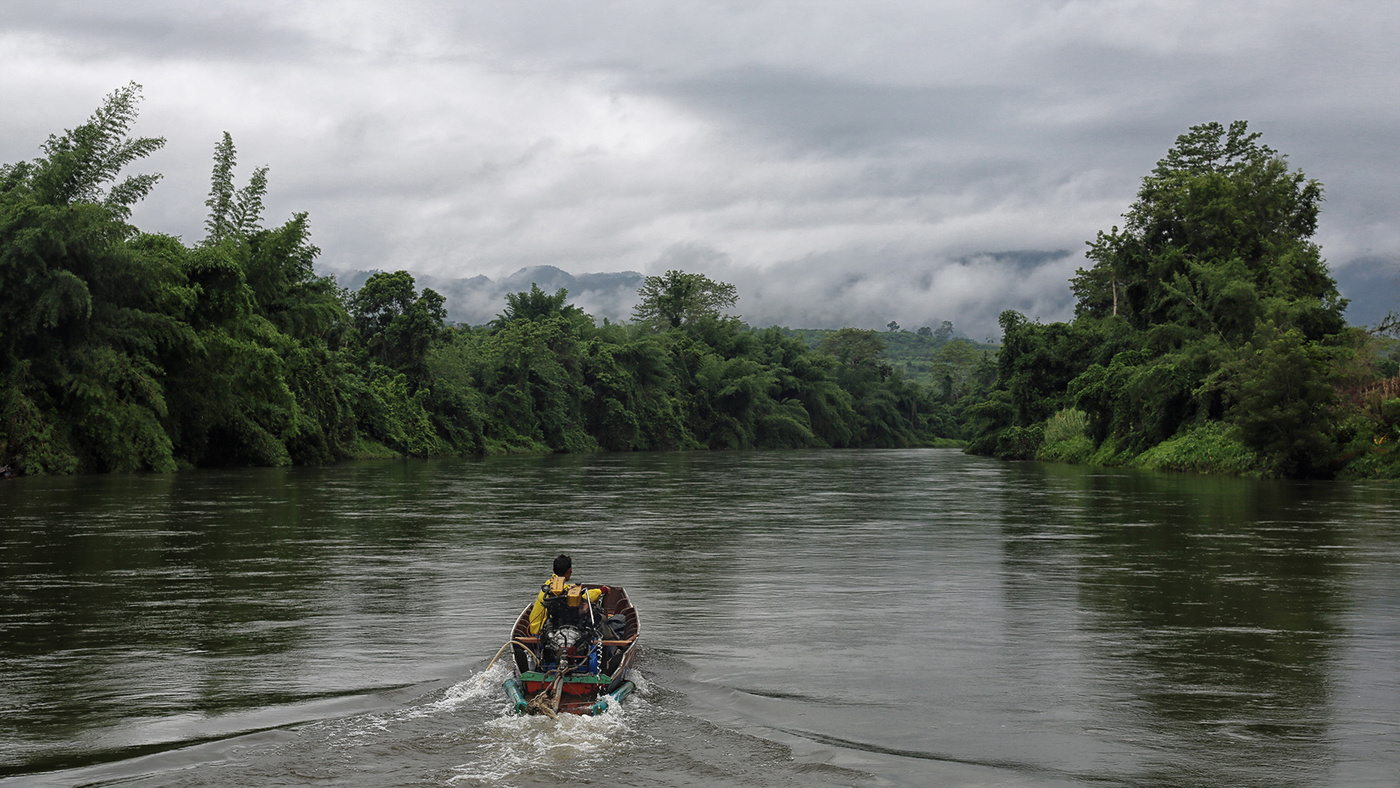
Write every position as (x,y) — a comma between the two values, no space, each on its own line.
(576,670)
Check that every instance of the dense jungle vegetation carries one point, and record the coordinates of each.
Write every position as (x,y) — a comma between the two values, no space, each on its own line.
(124,350)
(1208,336)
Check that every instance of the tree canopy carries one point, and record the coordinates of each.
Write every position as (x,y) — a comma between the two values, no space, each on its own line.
(1218,238)
(1208,335)
(677,298)
(1208,317)
(124,350)
(537,305)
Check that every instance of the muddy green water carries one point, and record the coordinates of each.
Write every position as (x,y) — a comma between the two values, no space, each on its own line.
(810,618)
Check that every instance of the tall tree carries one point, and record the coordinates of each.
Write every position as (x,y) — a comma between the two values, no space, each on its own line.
(677,298)
(1210,304)
(396,323)
(221,223)
(81,165)
(233,212)
(88,310)
(1219,237)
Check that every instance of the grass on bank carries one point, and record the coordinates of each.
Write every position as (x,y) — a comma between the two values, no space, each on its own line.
(1371,449)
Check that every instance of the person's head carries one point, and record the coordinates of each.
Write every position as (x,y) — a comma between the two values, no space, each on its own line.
(563,565)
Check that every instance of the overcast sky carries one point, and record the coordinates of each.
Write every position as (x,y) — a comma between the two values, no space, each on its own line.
(842,163)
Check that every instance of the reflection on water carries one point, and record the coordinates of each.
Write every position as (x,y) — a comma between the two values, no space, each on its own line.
(1215,607)
(919,616)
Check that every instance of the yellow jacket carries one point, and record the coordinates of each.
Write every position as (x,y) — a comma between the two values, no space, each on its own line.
(538,614)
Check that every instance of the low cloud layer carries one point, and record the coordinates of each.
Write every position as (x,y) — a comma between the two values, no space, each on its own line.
(849,164)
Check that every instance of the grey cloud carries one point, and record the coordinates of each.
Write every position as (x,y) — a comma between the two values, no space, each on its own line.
(869,289)
(849,166)
(98,31)
(841,116)
(1373,286)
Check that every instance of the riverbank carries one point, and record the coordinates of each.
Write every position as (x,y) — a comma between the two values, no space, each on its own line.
(1213,448)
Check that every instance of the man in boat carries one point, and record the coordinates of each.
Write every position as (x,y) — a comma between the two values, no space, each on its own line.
(558,598)
(564,604)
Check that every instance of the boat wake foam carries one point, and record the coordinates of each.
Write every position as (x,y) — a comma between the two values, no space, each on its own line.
(572,746)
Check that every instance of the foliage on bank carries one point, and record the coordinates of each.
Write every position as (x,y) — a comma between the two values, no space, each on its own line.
(123,350)
(1208,336)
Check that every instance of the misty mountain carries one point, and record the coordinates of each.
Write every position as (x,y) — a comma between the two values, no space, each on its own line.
(969,291)
(479,299)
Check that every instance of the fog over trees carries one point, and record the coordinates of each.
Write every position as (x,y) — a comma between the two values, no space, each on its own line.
(1208,335)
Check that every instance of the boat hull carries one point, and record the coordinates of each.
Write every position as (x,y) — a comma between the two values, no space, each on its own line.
(579,691)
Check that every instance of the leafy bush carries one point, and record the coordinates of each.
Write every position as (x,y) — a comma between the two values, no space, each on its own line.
(1213,447)
(1066,437)
(1020,443)
(1372,450)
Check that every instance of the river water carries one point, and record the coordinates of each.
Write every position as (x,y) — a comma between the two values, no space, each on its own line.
(812,618)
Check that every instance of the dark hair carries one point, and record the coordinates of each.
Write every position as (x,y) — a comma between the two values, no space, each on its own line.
(563,564)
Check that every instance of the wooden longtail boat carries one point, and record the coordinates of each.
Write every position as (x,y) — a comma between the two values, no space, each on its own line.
(581,671)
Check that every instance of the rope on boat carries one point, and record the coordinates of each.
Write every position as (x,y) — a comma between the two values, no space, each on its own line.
(547,699)
(482,676)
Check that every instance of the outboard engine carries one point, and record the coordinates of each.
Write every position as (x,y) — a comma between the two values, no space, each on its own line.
(572,644)
(559,641)
(572,629)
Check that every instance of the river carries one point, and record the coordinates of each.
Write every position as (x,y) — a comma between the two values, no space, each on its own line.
(812,618)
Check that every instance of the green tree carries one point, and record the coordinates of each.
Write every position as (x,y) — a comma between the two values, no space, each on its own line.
(266,385)
(1216,246)
(81,165)
(678,298)
(396,323)
(221,223)
(233,212)
(89,312)
(1217,239)
(537,305)
(1285,401)
(854,347)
